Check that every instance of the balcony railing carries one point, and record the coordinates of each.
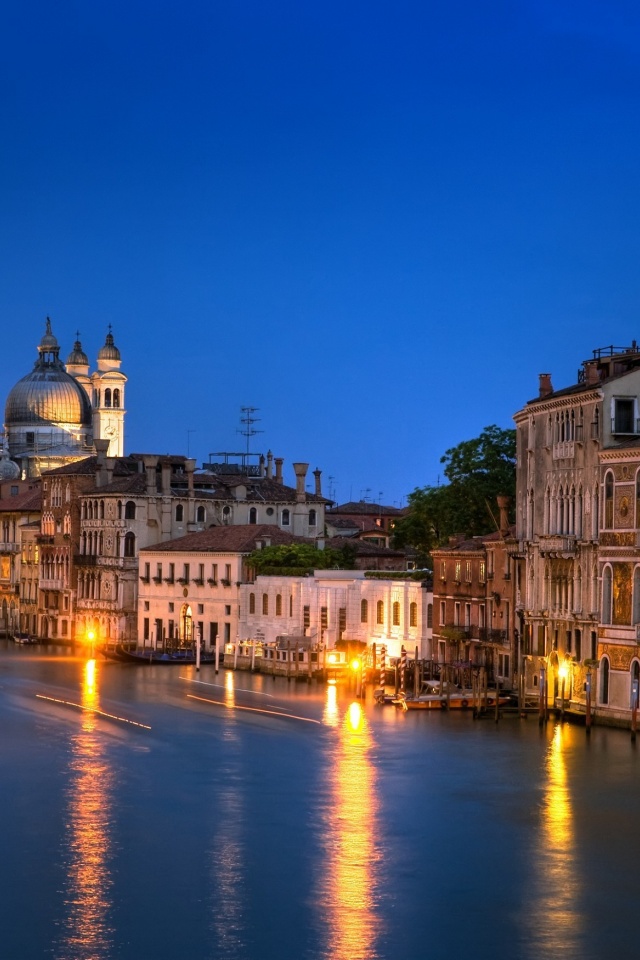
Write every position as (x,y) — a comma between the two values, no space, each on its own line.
(625,426)
(9,547)
(557,544)
(53,584)
(486,635)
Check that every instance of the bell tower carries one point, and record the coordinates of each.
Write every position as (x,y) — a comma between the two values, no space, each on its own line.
(107,398)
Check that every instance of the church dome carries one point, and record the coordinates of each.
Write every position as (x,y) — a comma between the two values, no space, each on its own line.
(78,357)
(47,395)
(8,469)
(109,351)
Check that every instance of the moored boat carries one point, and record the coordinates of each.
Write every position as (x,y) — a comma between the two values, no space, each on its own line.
(142,655)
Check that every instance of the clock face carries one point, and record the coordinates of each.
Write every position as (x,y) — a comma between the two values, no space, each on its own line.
(110,430)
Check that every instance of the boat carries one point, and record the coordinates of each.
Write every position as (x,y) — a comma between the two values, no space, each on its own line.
(456,699)
(24,639)
(142,655)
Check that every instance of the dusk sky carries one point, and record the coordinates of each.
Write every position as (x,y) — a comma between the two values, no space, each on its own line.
(376,222)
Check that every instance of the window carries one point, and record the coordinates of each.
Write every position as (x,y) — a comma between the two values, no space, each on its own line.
(606,595)
(227,610)
(608,500)
(119,509)
(467,571)
(179,513)
(130,510)
(623,415)
(170,608)
(413,614)
(252,603)
(200,515)
(265,604)
(116,398)
(146,604)
(396,614)
(443,612)
(130,545)
(312,518)
(443,570)
(145,628)
(278,604)
(364,611)
(253,515)
(285,518)
(227,571)
(604,680)
(380,611)
(306,618)
(213,633)
(186,572)
(429,615)
(342,622)
(458,567)
(324,618)
(456,614)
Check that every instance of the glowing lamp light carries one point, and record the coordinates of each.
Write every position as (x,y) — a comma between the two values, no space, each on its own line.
(563,671)
(91,635)
(355,664)
(332,658)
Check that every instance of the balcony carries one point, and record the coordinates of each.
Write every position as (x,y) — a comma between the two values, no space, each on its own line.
(45,540)
(492,636)
(625,426)
(456,631)
(558,546)
(51,584)
(564,450)
(9,547)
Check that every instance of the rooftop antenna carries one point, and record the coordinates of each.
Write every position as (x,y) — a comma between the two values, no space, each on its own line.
(332,488)
(248,420)
(365,494)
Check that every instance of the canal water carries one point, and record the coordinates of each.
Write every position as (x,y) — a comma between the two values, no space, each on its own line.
(152,812)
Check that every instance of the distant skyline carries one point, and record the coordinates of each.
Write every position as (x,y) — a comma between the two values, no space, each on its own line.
(375,223)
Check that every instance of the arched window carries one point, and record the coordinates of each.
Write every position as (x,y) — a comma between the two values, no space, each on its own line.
(119,509)
(179,513)
(278,605)
(396,614)
(107,397)
(285,518)
(635,681)
(129,510)
(312,518)
(253,515)
(604,680)
(200,515)
(265,604)
(116,398)
(608,501)
(380,611)
(186,624)
(96,398)
(102,509)
(252,603)
(84,510)
(129,545)
(606,595)
(364,611)
(413,614)
(636,595)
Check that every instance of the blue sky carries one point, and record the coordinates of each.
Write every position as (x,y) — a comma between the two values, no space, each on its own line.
(376,222)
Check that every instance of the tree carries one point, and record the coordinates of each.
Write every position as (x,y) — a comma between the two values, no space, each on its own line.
(300,558)
(477,471)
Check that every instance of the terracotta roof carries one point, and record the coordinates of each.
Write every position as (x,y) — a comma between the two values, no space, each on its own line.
(78,468)
(239,538)
(29,501)
(363,548)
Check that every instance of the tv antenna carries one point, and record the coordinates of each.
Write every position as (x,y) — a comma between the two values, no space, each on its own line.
(248,420)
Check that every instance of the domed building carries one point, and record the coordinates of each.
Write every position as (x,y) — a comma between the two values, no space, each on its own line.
(50,419)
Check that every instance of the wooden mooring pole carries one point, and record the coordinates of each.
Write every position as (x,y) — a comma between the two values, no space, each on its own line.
(587,719)
(634,710)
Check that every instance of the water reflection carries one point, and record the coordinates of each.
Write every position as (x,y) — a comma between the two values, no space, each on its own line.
(228,940)
(348,890)
(557,927)
(87,932)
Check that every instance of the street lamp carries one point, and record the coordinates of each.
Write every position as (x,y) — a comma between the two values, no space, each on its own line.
(91,636)
(356,666)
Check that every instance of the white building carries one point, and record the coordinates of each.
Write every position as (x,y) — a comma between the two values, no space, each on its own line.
(339,605)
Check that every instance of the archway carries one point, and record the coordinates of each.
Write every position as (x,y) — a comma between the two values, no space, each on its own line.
(186,624)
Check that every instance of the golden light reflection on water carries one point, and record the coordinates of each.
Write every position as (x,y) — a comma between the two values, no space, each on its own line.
(557,925)
(348,894)
(228,858)
(86,931)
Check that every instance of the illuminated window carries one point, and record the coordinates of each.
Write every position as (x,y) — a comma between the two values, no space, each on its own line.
(364,611)
(265,604)
(278,604)
(252,603)
(380,611)
(413,614)
(396,614)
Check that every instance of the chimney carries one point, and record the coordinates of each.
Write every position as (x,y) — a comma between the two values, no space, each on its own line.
(545,385)
(109,466)
(300,470)
(101,467)
(278,462)
(189,466)
(591,373)
(317,474)
(503,505)
(166,478)
(262,469)
(269,465)
(150,464)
